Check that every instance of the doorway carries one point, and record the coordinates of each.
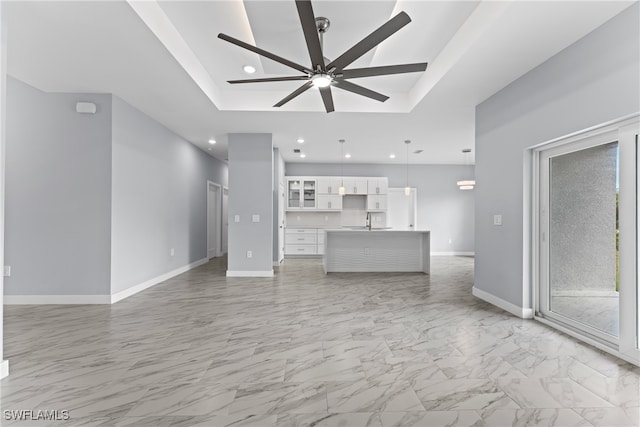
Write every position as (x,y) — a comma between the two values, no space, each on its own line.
(281,201)
(402,209)
(214,216)
(585,236)
(225,220)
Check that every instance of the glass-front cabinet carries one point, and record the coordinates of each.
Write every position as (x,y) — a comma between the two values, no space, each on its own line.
(301,194)
(294,194)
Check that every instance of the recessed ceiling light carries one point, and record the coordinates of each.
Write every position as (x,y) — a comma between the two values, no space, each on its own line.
(392,156)
(212,141)
(348,156)
(303,155)
(249,69)
(300,140)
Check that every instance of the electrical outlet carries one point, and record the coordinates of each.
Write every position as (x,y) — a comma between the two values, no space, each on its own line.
(236,218)
(298,217)
(497,220)
(249,254)
(7,270)
(173,251)
(255,218)
(367,251)
(326,217)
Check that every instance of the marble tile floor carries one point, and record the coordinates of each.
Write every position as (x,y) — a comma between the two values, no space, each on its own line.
(308,349)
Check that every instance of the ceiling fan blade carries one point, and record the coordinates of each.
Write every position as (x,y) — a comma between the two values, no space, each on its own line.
(369,42)
(293,94)
(308,21)
(264,53)
(327,98)
(351,87)
(269,79)
(383,71)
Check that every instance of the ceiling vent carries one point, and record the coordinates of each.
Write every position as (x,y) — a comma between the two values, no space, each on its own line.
(296,150)
(418,151)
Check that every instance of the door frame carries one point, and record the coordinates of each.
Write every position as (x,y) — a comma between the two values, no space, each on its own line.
(225,225)
(622,130)
(218,215)
(281,220)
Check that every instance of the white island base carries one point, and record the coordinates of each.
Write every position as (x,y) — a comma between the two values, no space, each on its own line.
(377,251)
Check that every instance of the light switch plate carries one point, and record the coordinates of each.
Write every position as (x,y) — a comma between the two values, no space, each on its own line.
(236,218)
(497,220)
(255,218)
(7,271)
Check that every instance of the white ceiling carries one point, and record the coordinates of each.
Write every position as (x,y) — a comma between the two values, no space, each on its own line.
(165,59)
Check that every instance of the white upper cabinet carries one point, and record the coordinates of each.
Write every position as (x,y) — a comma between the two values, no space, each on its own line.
(329,202)
(377,186)
(376,202)
(328,186)
(356,186)
(301,193)
(322,193)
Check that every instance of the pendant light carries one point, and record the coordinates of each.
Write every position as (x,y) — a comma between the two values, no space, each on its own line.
(407,189)
(466,184)
(341,189)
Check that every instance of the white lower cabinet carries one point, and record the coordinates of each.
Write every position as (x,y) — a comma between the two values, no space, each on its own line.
(300,249)
(321,235)
(301,241)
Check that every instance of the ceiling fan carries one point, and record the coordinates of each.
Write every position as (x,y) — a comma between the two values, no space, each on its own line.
(324,73)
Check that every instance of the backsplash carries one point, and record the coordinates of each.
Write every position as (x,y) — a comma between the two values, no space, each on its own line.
(345,218)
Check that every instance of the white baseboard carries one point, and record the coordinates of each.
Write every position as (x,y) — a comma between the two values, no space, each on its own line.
(4,368)
(453,253)
(56,299)
(265,273)
(151,282)
(521,312)
(98,299)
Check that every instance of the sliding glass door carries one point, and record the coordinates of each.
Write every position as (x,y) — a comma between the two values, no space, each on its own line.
(586,234)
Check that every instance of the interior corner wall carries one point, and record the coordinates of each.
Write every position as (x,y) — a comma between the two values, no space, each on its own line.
(442,208)
(593,81)
(250,193)
(58,192)
(159,199)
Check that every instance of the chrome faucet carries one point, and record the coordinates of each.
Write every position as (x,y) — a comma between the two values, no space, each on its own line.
(368,221)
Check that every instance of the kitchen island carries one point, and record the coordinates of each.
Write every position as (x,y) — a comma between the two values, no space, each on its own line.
(376,251)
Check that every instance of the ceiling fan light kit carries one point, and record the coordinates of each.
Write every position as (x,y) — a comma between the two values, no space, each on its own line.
(334,73)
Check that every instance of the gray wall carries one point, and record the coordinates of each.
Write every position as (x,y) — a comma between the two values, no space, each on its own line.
(159,198)
(593,81)
(58,192)
(442,208)
(250,193)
